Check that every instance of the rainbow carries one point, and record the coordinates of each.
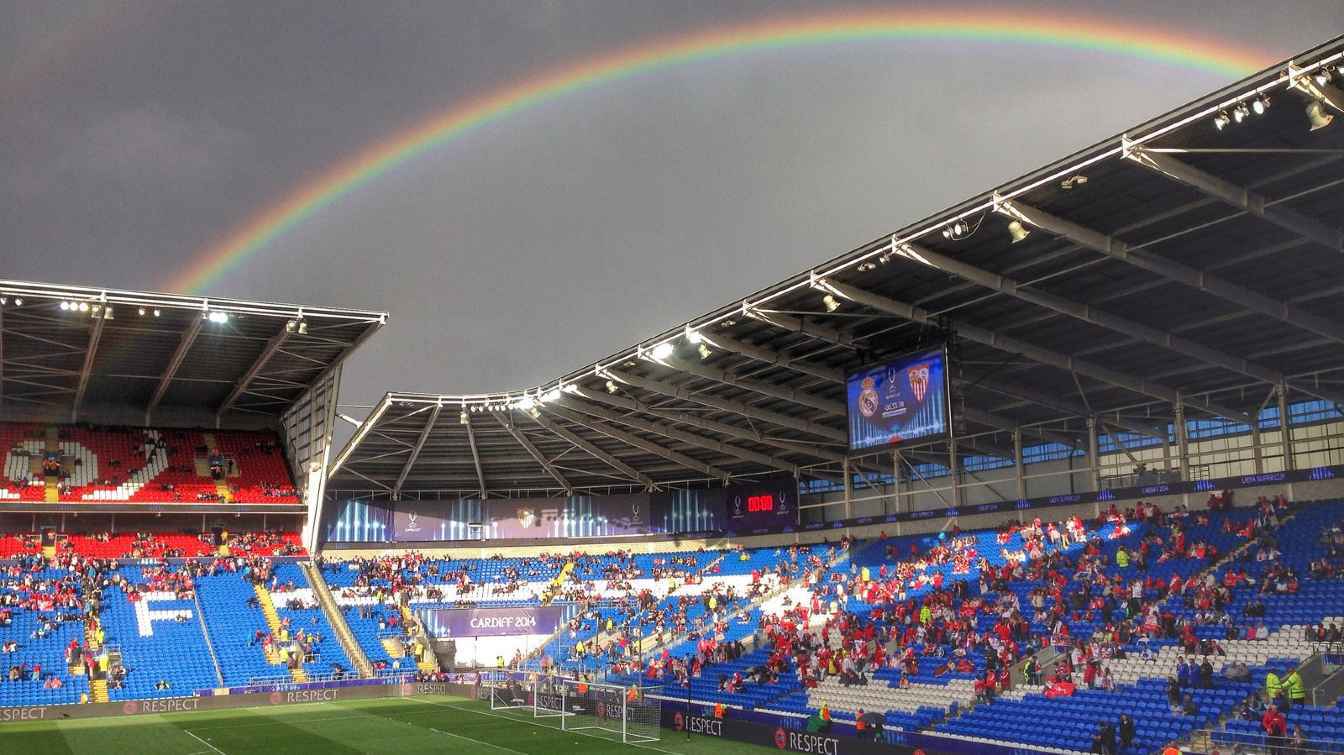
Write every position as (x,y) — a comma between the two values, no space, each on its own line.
(1084,33)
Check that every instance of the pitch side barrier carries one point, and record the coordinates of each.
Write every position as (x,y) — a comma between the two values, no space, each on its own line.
(787,732)
(267,695)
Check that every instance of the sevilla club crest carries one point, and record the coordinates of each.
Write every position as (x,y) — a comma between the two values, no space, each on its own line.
(919,381)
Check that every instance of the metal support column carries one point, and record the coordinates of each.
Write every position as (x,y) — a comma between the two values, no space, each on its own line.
(895,483)
(1286,429)
(1094,452)
(849,490)
(1182,441)
(953,468)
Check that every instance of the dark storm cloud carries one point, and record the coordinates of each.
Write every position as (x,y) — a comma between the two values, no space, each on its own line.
(135,134)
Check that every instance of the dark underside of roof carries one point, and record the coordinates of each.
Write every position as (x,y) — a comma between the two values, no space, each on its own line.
(1197,297)
(250,364)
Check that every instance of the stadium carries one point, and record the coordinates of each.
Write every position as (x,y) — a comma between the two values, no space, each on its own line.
(1057,469)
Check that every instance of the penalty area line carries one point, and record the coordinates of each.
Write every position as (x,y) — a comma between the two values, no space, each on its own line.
(202,741)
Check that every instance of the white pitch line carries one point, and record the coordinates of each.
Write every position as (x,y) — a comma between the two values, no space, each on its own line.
(476,741)
(202,741)
(536,725)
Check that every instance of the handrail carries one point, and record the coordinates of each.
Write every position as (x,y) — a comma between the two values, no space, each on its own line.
(337,619)
(205,632)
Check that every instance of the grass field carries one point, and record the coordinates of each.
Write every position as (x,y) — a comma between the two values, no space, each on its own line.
(403,726)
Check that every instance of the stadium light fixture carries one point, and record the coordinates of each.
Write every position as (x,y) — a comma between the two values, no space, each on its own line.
(693,335)
(956,230)
(868,266)
(1018,231)
(462,418)
(526,403)
(830,303)
(1221,120)
(3,301)
(218,317)
(18,302)
(662,350)
(611,386)
(1240,113)
(551,395)
(141,311)
(1318,116)
(303,328)
(535,412)
(1260,105)
(290,326)
(704,351)
(1321,77)
(83,306)
(65,305)
(157,313)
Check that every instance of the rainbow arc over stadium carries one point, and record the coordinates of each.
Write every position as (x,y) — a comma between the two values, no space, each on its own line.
(1088,34)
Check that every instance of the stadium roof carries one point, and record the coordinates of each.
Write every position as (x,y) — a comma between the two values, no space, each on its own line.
(1193,261)
(69,348)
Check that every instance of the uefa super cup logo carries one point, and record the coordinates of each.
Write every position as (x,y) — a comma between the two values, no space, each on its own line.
(412,523)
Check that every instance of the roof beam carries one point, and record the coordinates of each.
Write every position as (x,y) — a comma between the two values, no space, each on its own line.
(578,418)
(1054,401)
(416,449)
(1100,318)
(272,346)
(690,439)
(770,356)
(179,356)
(1192,277)
(597,453)
(805,327)
(714,426)
(507,424)
(1032,351)
(836,408)
(1240,197)
(476,457)
(981,417)
(728,405)
(90,353)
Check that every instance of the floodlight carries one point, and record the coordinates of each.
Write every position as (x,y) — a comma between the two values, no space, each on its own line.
(1018,231)
(1318,116)
(662,350)
(611,386)
(704,352)
(1221,120)
(830,302)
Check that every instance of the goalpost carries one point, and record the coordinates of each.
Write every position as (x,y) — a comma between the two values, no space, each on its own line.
(590,708)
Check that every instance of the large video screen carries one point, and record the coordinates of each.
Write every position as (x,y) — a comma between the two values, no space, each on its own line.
(898,402)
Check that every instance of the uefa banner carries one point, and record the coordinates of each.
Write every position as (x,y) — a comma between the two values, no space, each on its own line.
(445,623)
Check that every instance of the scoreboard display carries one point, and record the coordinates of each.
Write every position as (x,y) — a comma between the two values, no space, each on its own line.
(768,504)
(899,401)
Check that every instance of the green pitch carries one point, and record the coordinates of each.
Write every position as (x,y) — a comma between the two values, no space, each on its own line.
(400,726)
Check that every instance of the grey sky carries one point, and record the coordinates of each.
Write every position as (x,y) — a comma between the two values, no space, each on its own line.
(136,133)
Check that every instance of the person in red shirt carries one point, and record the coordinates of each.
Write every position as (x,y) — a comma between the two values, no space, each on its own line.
(1276,728)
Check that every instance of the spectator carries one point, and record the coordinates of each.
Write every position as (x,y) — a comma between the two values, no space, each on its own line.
(1275,727)
(1126,731)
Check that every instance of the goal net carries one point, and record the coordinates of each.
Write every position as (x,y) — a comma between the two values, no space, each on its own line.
(608,711)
